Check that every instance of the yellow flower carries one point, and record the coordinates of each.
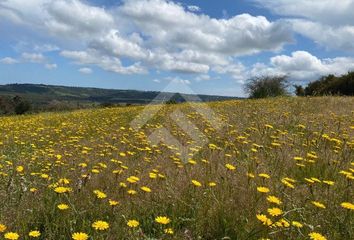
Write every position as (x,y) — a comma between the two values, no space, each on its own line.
(133,179)
(275,211)
(250,175)
(330,183)
(145,189)
(33,190)
(296,224)
(2,227)
(282,223)
(168,231)
(34,234)
(152,175)
(63,206)
(99,194)
(264,219)
(212,184)
(44,176)
(132,192)
(347,205)
(100,225)
(316,236)
(230,167)
(162,220)
(79,236)
(62,189)
(112,202)
(133,223)
(264,175)
(19,169)
(196,183)
(11,236)
(274,199)
(263,189)
(318,204)
(288,182)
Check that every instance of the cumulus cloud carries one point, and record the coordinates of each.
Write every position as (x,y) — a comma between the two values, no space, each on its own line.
(202,77)
(170,25)
(237,71)
(178,80)
(303,66)
(332,37)
(107,63)
(193,8)
(153,34)
(85,70)
(46,48)
(331,12)
(33,57)
(50,66)
(8,60)
(329,23)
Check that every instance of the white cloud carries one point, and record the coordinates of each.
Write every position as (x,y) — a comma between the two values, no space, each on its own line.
(303,66)
(46,48)
(333,37)
(107,63)
(85,70)
(329,23)
(50,66)
(156,80)
(33,57)
(114,44)
(237,71)
(331,12)
(8,60)
(178,80)
(169,25)
(202,77)
(157,34)
(193,8)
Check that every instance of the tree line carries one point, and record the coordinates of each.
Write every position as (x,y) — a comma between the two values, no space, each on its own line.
(273,86)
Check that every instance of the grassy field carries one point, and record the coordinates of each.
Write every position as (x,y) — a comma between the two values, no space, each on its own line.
(276,169)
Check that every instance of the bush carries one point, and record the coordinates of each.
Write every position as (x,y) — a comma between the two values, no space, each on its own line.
(299,90)
(267,86)
(20,105)
(332,85)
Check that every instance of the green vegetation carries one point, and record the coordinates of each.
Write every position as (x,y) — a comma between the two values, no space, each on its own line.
(40,97)
(276,168)
(267,86)
(329,85)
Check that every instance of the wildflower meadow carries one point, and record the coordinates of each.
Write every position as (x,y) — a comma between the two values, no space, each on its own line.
(274,169)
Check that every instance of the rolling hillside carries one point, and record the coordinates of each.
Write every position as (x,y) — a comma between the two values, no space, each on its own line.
(40,94)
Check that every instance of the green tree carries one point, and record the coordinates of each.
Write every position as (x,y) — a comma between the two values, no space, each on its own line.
(267,86)
(299,90)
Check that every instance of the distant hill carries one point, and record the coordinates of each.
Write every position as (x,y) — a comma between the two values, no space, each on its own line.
(41,95)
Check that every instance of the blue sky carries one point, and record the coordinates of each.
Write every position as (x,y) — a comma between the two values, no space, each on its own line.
(212,47)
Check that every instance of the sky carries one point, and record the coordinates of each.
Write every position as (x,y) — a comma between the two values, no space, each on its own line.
(210,47)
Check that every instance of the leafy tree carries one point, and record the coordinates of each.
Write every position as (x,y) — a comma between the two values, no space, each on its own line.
(332,85)
(299,90)
(267,86)
(21,106)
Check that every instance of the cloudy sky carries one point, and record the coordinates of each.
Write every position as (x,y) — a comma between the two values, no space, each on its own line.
(210,46)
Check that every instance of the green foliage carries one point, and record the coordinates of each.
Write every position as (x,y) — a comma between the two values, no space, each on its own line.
(21,106)
(16,105)
(332,85)
(267,86)
(299,90)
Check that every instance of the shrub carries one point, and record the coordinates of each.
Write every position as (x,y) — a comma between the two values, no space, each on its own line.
(267,86)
